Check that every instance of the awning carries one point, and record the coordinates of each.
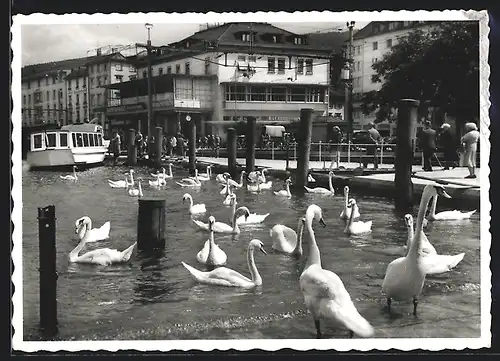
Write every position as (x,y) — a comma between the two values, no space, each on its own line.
(275,130)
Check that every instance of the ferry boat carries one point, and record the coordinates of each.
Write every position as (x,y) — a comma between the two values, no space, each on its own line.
(82,145)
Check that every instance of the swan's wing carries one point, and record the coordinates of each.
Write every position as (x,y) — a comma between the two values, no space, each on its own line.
(434,264)
(201,224)
(349,316)
(221,227)
(203,254)
(321,283)
(224,273)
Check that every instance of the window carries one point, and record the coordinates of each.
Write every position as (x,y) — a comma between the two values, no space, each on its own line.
(37,141)
(51,140)
(29,85)
(389,43)
(119,78)
(105,80)
(309,66)
(177,69)
(24,99)
(46,80)
(53,79)
(132,69)
(77,99)
(374,60)
(207,66)
(98,80)
(245,37)
(99,136)
(63,139)
(91,140)
(277,94)
(375,45)
(85,140)
(391,26)
(242,58)
(60,93)
(235,92)
(132,77)
(315,95)
(252,59)
(359,66)
(160,71)
(98,99)
(77,82)
(281,65)
(300,66)
(144,74)
(271,65)
(96,140)
(119,67)
(297,94)
(84,83)
(298,41)
(38,97)
(188,68)
(257,94)
(54,94)
(39,83)
(48,96)
(105,67)
(29,98)
(169,69)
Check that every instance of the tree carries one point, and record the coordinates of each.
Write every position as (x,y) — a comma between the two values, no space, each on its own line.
(440,68)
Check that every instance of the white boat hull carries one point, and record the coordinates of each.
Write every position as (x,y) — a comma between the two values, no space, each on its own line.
(66,157)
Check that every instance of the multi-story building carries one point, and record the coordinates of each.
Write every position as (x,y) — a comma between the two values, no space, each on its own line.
(223,74)
(77,95)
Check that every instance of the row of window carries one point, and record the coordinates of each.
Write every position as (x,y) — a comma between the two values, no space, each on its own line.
(58,113)
(257,93)
(96,68)
(79,140)
(357,48)
(187,70)
(271,38)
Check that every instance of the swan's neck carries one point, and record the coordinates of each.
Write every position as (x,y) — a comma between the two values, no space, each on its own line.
(131,178)
(298,247)
(346,197)
(235,215)
(74,173)
(241,180)
(140,189)
(314,257)
(351,216)
(288,189)
(416,244)
(330,184)
(432,211)
(211,244)
(170,171)
(233,219)
(190,202)
(74,253)
(252,267)
(410,237)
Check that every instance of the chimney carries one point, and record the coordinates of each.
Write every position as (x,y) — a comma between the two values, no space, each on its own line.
(99,52)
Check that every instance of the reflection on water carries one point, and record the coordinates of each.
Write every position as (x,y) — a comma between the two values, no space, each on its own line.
(154,297)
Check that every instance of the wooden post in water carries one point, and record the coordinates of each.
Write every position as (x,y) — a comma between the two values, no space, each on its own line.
(48,270)
(287,154)
(250,140)
(158,145)
(231,152)
(305,134)
(192,146)
(407,116)
(131,148)
(151,224)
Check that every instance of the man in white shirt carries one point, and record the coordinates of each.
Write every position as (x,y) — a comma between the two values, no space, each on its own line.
(469,142)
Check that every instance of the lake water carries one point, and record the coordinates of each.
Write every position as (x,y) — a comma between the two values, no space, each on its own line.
(154,298)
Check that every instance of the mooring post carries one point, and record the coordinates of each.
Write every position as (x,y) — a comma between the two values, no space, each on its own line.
(158,146)
(287,154)
(192,147)
(231,152)
(151,224)
(131,148)
(407,116)
(304,148)
(48,270)
(250,138)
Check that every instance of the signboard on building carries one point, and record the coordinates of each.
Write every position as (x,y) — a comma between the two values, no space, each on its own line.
(126,108)
(187,103)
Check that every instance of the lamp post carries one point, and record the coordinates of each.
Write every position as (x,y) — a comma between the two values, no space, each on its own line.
(347,76)
(151,124)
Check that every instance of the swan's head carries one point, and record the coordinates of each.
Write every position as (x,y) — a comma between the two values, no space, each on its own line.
(330,173)
(75,167)
(226,175)
(352,202)
(163,169)
(315,212)
(211,222)
(132,171)
(440,190)
(257,244)
(408,220)
(288,181)
(246,212)
(185,196)
(346,189)
(302,222)
(81,222)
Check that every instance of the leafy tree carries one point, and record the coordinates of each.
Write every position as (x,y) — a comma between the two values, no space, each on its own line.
(440,68)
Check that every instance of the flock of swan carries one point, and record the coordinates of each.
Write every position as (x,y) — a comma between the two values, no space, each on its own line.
(324,293)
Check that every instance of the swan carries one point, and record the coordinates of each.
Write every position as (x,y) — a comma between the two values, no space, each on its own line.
(324,293)
(253,218)
(220,227)
(264,184)
(211,254)
(158,182)
(227,200)
(285,239)
(356,227)
(447,215)
(231,183)
(254,188)
(91,234)
(163,175)
(190,182)
(285,192)
(405,276)
(120,183)
(221,178)
(136,192)
(101,256)
(71,176)
(433,263)
(207,175)
(194,208)
(346,212)
(223,276)
(321,190)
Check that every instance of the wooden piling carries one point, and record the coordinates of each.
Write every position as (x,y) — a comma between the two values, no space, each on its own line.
(231,152)
(48,270)
(192,147)
(131,148)
(407,118)
(304,148)
(250,140)
(158,146)
(151,224)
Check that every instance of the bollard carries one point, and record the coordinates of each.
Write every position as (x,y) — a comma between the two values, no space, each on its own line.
(250,138)
(48,270)
(158,146)
(407,114)
(305,134)
(132,150)
(319,151)
(272,150)
(151,224)
(192,147)
(231,152)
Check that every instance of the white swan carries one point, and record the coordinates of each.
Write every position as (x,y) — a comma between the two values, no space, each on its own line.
(223,276)
(123,184)
(433,263)
(324,293)
(101,256)
(163,175)
(71,176)
(227,200)
(264,184)
(286,240)
(285,192)
(190,182)
(211,254)
(346,212)
(220,227)
(221,178)
(91,234)
(136,192)
(321,190)
(194,208)
(254,188)
(207,175)
(405,276)
(447,215)
(356,227)
(159,182)
(231,183)
(253,218)
(201,176)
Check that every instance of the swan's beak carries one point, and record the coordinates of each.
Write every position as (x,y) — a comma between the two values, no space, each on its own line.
(440,191)
(322,222)
(263,250)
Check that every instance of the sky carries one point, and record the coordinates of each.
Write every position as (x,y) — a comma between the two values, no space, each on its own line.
(44,43)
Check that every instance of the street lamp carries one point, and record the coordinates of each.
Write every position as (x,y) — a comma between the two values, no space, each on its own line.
(347,76)
(151,124)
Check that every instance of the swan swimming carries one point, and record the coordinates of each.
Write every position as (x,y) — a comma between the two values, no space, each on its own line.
(163,175)
(223,276)
(190,182)
(253,218)
(206,176)
(194,208)
(285,192)
(346,212)
(159,182)
(320,190)
(264,184)
(231,183)
(136,192)
(356,227)
(405,276)
(286,240)
(73,176)
(123,184)
(89,233)
(324,292)
(221,178)
(220,227)
(211,254)
(447,215)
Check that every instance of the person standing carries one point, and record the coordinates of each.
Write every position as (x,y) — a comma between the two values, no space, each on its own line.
(372,149)
(217,145)
(428,145)
(335,144)
(173,144)
(449,151)
(469,142)
(117,146)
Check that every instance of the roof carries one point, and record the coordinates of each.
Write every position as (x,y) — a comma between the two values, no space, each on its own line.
(382,27)
(78,73)
(333,40)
